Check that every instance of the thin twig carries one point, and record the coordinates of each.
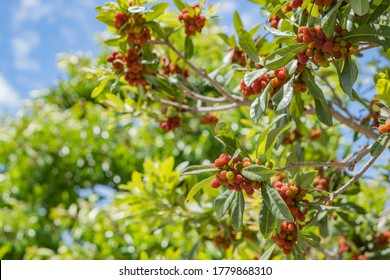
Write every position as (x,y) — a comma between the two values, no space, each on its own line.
(358,175)
(200,109)
(198,96)
(203,73)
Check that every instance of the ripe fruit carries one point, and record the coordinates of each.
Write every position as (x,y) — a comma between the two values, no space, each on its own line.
(230,174)
(170,124)
(192,24)
(286,237)
(384,128)
(209,120)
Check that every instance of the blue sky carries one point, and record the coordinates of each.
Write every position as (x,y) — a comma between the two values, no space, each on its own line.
(33,32)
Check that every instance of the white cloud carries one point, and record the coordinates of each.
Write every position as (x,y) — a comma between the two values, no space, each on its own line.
(227,8)
(31,10)
(9,98)
(22,45)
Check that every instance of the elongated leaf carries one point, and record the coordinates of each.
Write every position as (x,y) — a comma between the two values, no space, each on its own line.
(250,77)
(257,173)
(231,145)
(279,33)
(188,48)
(305,179)
(273,137)
(372,33)
(282,56)
(223,202)
(377,8)
(266,220)
(311,239)
(328,22)
(378,145)
(348,75)
(322,108)
(360,7)
(267,254)
(237,213)
(248,45)
(288,93)
(260,105)
(261,142)
(179,4)
(156,11)
(98,90)
(276,204)
(197,169)
(238,25)
(202,184)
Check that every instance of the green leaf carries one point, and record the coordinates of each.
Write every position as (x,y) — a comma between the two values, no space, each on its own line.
(378,145)
(348,75)
(296,107)
(223,202)
(322,108)
(372,33)
(279,33)
(305,179)
(312,239)
(250,77)
(98,90)
(266,220)
(257,173)
(229,40)
(288,93)
(261,142)
(156,28)
(231,145)
(260,105)
(238,25)
(188,48)
(237,214)
(179,4)
(282,56)
(273,137)
(360,7)
(276,204)
(202,184)
(224,129)
(301,242)
(248,45)
(377,8)
(328,22)
(197,169)
(267,254)
(156,11)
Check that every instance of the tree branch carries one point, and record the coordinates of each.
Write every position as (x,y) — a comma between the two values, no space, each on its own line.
(200,109)
(358,175)
(198,96)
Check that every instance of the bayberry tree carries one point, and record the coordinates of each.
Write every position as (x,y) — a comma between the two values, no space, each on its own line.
(294,86)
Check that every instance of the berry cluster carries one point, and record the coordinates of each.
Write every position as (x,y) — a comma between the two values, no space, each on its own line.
(343,246)
(193,23)
(230,176)
(239,57)
(117,60)
(225,238)
(383,240)
(295,4)
(170,123)
(286,237)
(209,119)
(170,68)
(384,128)
(278,177)
(293,196)
(274,20)
(132,26)
(321,48)
(321,183)
(278,78)
(135,69)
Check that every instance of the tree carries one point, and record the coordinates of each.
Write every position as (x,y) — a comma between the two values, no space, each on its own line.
(291,161)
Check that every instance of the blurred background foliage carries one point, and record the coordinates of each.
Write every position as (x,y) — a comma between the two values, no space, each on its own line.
(76,183)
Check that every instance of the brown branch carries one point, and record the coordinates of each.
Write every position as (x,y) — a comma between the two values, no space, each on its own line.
(218,87)
(358,175)
(343,164)
(200,109)
(198,96)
